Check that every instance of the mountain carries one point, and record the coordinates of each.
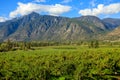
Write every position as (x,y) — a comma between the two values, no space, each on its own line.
(111,23)
(114,35)
(36,27)
(93,20)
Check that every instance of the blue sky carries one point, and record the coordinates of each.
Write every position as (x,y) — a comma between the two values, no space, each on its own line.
(69,8)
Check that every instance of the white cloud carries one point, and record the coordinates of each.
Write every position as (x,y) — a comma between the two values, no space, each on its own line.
(24,9)
(93,3)
(40,0)
(66,1)
(102,9)
(3,19)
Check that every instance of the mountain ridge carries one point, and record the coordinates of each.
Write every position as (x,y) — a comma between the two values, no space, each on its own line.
(36,27)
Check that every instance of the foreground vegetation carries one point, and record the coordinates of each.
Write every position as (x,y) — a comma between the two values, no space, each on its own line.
(59,61)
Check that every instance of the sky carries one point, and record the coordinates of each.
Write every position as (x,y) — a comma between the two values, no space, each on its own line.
(10,9)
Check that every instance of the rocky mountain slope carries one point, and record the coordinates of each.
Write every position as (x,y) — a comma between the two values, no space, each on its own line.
(36,27)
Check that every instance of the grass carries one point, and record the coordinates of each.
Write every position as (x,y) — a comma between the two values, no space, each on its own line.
(61,63)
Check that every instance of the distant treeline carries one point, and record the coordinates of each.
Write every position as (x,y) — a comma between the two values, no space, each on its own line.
(10,45)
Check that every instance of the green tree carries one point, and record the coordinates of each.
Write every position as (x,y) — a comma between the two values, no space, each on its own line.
(25,46)
(6,46)
(94,44)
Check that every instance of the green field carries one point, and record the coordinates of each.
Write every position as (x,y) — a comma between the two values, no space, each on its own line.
(61,63)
